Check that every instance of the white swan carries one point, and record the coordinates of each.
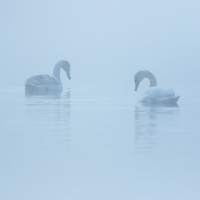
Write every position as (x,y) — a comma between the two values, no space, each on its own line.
(46,83)
(155,95)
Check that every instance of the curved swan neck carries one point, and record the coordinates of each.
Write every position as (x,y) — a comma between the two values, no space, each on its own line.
(56,71)
(151,78)
(139,76)
(65,66)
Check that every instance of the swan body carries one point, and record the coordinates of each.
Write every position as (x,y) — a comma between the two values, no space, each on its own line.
(155,94)
(47,83)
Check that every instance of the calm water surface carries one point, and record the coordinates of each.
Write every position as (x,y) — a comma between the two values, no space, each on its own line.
(92,143)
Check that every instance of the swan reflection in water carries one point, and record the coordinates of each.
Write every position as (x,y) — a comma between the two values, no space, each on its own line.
(49,118)
(151,123)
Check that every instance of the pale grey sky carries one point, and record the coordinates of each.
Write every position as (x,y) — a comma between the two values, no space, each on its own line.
(106,42)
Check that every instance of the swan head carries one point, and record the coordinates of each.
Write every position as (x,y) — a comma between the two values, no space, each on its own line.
(139,76)
(66,68)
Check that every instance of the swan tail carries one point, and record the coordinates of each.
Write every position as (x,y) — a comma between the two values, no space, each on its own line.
(168,101)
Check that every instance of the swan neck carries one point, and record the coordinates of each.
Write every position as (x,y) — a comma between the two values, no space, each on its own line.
(152,79)
(56,72)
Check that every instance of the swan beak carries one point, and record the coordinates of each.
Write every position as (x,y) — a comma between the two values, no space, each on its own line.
(68,75)
(136,86)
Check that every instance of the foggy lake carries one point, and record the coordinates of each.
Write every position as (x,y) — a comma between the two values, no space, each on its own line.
(94,140)
(90,143)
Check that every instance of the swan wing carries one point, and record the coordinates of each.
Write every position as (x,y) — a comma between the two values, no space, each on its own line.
(159,92)
(41,80)
(158,95)
(168,101)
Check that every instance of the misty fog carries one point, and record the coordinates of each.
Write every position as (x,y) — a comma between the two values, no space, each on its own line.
(95,141)
(106,42)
